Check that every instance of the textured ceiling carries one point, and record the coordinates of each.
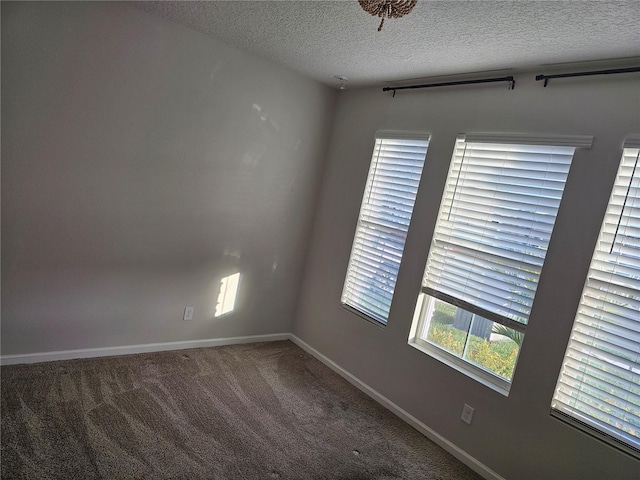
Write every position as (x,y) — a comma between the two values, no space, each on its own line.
(321,39)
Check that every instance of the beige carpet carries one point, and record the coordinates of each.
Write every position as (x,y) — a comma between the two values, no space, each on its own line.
(258,411)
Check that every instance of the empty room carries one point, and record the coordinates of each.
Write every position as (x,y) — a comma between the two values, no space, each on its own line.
(386,239)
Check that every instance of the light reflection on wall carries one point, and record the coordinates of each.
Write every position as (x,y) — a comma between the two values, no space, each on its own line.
(227,295)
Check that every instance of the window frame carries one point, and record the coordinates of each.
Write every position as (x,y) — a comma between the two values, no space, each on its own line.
(572,415)
(417,335)
(381,135)
(463,366)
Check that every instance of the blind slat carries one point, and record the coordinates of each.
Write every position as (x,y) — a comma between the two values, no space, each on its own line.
(599,384)
(495,223)
(383,223)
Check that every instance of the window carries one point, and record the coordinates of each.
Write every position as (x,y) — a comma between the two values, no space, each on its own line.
(599,384)
(491,236)
(385,214)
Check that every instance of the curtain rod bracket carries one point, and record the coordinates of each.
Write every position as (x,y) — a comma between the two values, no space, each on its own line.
(543,77)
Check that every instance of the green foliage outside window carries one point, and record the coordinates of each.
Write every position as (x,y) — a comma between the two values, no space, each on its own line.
(499,356)
(443,313)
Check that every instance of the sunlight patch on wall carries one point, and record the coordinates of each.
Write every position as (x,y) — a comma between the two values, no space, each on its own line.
(227,295)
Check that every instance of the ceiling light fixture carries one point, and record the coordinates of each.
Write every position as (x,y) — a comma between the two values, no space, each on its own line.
(387,8)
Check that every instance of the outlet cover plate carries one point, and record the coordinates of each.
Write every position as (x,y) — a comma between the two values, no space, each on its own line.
(467,414)
(188,313)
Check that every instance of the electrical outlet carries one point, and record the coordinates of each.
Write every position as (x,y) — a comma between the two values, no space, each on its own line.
(188,313)
(467,414)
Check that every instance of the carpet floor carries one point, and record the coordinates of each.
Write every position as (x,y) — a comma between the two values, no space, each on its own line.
(254,411)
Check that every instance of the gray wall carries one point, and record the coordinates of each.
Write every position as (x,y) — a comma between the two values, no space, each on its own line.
(142,162)
(514,435)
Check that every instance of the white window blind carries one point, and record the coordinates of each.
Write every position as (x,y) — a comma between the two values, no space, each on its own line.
(495,222)
(599,385)
(385,214)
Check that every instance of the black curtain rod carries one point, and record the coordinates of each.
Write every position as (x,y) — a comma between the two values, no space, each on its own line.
(546,78)
(510,79)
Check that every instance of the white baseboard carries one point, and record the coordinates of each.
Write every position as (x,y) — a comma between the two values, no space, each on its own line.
(143,348)
(431,434)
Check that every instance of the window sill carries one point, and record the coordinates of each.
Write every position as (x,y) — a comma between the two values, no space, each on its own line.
(593,432)
(462,366)
(364,316)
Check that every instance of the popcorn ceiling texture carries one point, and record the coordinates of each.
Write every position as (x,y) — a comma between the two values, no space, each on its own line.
(321,39)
